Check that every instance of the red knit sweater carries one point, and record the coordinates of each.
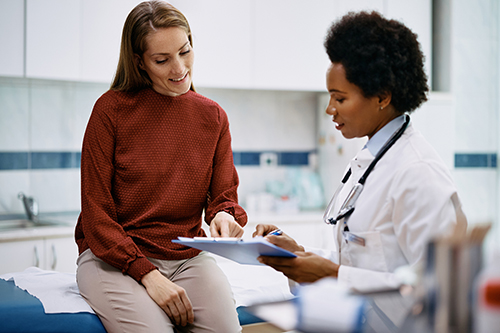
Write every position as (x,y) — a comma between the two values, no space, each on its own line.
(150,165)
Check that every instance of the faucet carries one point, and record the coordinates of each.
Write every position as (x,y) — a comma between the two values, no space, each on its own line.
(30,206)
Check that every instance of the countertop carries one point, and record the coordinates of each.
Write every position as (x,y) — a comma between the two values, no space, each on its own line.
(65,227)
(67,221)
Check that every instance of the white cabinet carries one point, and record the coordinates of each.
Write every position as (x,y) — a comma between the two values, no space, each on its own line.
(244,44)
(222,41)
(53,39)
(17,256)
(101,25)
(73,39)
(61,254)
(417,15)
(12,38)
(288,37)
(58,254)
(278,44)
(257,44)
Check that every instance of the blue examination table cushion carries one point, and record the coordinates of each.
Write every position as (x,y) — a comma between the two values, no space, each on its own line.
(22,312)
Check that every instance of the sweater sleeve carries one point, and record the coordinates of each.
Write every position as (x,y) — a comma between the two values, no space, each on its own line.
(223,194)
(98,221)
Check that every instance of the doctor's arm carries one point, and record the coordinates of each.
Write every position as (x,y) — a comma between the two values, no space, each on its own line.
(306,267)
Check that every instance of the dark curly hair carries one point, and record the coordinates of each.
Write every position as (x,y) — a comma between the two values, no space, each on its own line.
(379,55)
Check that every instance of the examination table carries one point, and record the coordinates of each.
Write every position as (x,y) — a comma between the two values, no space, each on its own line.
(22,312)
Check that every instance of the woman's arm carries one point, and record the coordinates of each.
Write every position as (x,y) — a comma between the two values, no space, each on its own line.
(223,196)
(170,297)
(98,226)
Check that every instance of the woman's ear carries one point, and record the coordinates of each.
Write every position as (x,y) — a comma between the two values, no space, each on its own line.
(384,99)
(138,61)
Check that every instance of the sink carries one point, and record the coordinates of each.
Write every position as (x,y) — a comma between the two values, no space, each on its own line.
(28,224)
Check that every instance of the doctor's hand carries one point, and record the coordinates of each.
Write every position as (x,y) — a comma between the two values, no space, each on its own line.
(224,225)
(284,241)
(170,297)
(306,267)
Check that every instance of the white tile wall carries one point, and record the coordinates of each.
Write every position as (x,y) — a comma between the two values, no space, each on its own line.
(44,115)
(14,115)
(268,120)
(11,183)
(475,88)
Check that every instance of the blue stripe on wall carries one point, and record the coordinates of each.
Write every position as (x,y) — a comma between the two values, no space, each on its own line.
(39,160)
(476,160)
(54,160)
(65,160)
(13,160)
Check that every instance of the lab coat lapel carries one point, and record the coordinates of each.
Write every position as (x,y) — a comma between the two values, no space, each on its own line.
(359,164)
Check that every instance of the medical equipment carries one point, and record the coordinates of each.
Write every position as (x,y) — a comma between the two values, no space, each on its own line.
(348,206)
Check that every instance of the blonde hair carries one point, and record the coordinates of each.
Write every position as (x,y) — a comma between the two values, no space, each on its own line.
(144,19)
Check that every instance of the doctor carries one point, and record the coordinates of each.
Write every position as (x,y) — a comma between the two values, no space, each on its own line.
(407,197)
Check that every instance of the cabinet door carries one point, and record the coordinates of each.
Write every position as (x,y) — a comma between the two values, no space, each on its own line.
(53,39)
(102,25)
(61,254)
(17,256)
(12,37)
(416,15)
(221,41)
(289,52)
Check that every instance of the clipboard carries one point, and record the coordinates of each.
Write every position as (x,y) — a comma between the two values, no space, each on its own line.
(240,250)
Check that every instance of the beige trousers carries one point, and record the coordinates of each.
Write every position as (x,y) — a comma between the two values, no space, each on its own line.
(123,304)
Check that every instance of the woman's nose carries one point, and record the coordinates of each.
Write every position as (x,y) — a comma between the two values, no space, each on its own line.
(178,66)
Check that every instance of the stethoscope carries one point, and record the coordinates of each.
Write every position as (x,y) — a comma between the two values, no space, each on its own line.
(348,206)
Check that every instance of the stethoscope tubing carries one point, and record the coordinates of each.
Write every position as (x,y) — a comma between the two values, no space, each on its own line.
(348,206)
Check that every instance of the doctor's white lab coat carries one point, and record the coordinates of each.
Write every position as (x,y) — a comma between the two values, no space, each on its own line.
(408,199)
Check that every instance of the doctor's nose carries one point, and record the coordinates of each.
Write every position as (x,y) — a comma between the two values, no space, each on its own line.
(331,110)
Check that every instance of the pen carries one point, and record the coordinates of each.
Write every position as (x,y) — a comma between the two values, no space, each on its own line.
(277,232)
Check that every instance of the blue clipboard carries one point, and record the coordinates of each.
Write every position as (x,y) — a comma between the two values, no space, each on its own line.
(240,250)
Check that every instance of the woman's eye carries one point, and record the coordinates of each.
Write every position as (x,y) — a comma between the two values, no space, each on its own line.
(340,100)
(161,61)
(185,52)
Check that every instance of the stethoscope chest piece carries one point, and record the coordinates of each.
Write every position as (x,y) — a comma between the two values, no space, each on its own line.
(347,207)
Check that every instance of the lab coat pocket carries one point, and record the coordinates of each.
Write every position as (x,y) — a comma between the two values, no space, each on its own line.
(370,256)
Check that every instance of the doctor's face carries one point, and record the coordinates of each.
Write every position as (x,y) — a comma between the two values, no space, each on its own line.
(168,60)
(354,114)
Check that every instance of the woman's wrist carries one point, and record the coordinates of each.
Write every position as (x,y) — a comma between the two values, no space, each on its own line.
(149,278)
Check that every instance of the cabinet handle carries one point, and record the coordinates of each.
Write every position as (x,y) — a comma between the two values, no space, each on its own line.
(54,258)
(36,257)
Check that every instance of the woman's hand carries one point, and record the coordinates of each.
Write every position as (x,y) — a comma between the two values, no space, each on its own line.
(224,225)
(170,297)
(306,267)
(284,241)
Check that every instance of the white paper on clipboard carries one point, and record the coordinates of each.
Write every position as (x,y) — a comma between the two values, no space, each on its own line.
(240,250)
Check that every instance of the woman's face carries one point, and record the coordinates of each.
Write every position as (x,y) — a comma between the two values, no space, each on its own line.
(168,60)
(355,115)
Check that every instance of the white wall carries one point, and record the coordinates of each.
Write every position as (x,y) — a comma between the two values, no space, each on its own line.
(475,88)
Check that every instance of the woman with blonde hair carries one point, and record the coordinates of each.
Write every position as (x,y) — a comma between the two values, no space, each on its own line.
(155,156)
